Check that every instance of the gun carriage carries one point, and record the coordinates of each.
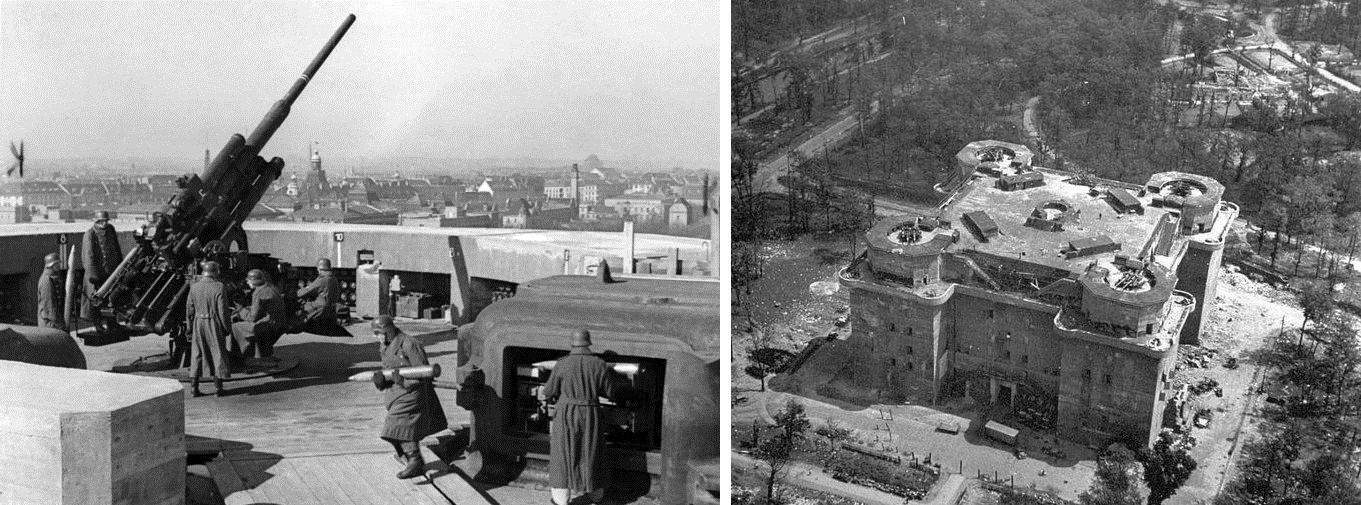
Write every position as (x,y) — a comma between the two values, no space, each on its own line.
(203,222)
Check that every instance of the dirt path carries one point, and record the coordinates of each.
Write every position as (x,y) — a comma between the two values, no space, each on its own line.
(1246,317)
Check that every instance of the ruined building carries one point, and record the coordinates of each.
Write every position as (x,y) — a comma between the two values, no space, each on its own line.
(1034,290)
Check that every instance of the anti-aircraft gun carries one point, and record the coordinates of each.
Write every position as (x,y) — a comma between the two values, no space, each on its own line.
(202,222)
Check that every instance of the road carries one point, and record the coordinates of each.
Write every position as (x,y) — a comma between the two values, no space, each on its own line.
(886,207)
(767,176)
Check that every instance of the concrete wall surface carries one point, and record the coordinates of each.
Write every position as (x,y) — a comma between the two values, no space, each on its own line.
(85,437)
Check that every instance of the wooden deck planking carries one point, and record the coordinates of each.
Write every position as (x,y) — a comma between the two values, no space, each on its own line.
(356,486)
(229,484)
(294,424)
(417,490)
(452,482)
(363,469)
(255,475)
(289,487)
(323,488)
(308,436)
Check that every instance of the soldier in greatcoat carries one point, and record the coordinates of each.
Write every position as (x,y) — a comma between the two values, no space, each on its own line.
(264,321)
(320,297)
(52,294)
(210,324)
(414,411)
(101,254)
(577,442)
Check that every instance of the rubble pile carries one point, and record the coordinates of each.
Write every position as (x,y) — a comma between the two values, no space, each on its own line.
(1250,283)
(1196,357)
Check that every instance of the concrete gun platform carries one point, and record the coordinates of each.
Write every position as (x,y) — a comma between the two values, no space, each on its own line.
(309,436)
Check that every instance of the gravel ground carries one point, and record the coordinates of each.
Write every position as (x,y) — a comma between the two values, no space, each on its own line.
(782,309)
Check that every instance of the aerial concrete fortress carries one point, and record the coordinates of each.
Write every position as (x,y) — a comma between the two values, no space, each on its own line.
(1037,290)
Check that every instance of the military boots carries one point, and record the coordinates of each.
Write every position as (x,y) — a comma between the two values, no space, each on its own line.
(415,466)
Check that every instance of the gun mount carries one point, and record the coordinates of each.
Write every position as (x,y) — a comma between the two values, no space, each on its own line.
(202,222)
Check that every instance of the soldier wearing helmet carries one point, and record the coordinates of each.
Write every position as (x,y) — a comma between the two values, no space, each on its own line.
(320,297)
(52,294)
(261,324)
(210,322)
(101,254)
(577,447)
(414,411)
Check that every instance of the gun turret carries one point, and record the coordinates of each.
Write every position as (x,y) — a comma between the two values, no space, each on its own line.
(202,222)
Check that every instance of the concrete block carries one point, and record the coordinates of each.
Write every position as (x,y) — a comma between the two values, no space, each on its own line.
(85,437)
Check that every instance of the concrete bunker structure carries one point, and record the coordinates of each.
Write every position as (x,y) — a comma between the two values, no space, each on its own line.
(662,336)
(1062,309)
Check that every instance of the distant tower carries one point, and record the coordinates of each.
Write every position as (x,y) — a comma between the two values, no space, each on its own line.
(205,160)
(576,186)
(315,186)
(316,157)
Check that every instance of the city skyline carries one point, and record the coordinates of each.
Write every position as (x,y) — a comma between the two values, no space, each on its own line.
(566,81)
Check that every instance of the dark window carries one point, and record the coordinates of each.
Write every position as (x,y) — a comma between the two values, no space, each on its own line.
(1106,378)
(892,327)
(1087,374)
(1025,359)
(991,313)
(1006,355)
(909,330)
(909,349)
(1148,329)
(909,366)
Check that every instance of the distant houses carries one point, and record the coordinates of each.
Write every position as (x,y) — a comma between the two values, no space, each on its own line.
(585,195)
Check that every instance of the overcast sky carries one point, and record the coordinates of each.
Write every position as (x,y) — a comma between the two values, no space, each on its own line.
(560,80)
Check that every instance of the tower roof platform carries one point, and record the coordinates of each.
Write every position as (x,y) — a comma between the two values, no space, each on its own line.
(1037,224)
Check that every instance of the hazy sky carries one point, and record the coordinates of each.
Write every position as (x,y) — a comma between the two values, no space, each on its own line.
(621,79)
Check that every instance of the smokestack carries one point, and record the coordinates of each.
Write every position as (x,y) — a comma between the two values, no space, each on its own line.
(628,247)
(705,206)
(576,186)
(206,160)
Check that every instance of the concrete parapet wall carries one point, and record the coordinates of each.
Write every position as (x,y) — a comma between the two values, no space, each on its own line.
(83,437)
(513,256)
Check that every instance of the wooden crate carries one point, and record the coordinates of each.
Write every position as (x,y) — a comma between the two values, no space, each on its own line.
(85,437)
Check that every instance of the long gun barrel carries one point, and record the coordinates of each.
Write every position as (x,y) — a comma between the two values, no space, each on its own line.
(279,112)
(203,220)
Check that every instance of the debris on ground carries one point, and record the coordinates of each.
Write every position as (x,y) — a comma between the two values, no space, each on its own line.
(1196,356)
(1203,418)
(1206,385)
(824,288)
